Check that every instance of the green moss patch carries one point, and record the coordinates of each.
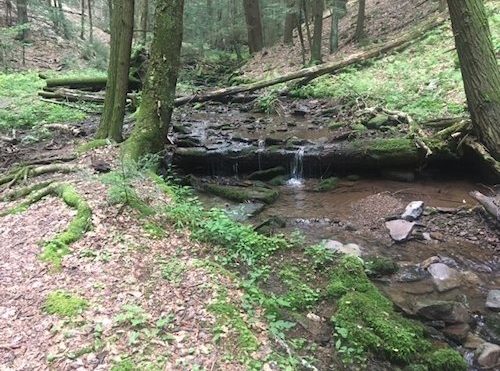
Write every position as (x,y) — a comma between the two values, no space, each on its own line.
(365,320)
(93,144)
(64,304)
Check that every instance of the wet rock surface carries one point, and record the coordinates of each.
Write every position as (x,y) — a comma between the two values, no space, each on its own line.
(399,229)
(444,277)
(493,300)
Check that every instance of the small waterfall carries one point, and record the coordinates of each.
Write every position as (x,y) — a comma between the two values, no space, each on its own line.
(297,174)
(236,170)
(261,144)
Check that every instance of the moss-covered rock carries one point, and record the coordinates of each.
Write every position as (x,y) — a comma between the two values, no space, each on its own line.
(366,321)
(380,266)
(277,181)
(377,121)
(267,174)
(243,194)
(446,360)
(327,184)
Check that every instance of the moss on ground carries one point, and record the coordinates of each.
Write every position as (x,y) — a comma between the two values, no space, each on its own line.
(64,304)
(24,109)
(93,144)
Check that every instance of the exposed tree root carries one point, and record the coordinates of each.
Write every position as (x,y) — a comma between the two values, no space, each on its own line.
(55,249)
(488,160)
(25,191)
(26,172)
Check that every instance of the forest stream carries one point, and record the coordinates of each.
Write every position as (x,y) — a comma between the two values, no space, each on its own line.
(451,255)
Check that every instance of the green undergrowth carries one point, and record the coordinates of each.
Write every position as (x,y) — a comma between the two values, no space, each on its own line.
(241,339)
(424,80)
(364,322)
(21,107)
(64,304)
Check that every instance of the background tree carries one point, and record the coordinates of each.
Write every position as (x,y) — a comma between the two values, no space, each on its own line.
(91,25)
(22,18)
(360,24)
(319,6)
(82,20)
(143,21)
(479,68)
(254,25)
(155,112)
(122,27)
(291,21)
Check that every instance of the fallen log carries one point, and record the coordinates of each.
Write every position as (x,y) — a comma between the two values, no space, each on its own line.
(90,83)
(316,71)
(488,203)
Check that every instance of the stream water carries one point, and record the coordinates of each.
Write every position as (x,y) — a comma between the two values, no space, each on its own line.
(450,232)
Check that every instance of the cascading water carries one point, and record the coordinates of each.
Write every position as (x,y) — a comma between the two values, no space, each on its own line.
(297,173)
(261,144)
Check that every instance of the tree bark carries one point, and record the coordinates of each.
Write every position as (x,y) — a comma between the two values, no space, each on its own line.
(334,32)
(8,13)
(82,21)
(479,68)
(154,117)
(319,6)
(291,21)
(360,24)
(22,17)
(254,25)
(91,26)
(144,21)
(122,27)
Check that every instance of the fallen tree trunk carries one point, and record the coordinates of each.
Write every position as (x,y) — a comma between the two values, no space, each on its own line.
(488,203)
(316,71)
(90,83)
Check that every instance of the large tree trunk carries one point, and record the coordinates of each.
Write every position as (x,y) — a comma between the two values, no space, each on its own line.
(319,6)
(360,24)
(254,25)
(291,21)
(144,21)
(153,120)
(8,13)
(480,71)
(122,27)
(22,17)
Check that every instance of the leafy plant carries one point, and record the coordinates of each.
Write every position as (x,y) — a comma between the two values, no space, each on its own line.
(133,315)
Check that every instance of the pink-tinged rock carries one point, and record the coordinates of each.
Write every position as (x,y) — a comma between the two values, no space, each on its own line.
(444,277)
(399,229)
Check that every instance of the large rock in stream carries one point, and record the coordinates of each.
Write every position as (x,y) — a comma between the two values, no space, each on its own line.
(444,277)
(242,194)
(399,229)
(493,300)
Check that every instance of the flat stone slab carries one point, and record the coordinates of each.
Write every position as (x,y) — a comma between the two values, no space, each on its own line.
(399,229)
(444,277)
(493,300)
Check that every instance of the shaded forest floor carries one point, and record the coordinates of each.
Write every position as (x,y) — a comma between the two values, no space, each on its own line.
(145,290)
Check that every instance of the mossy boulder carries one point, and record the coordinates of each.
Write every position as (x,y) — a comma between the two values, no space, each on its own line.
(267,174)
(365,320)
(380,266)
(243,194)
(327,184)
(378,121)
